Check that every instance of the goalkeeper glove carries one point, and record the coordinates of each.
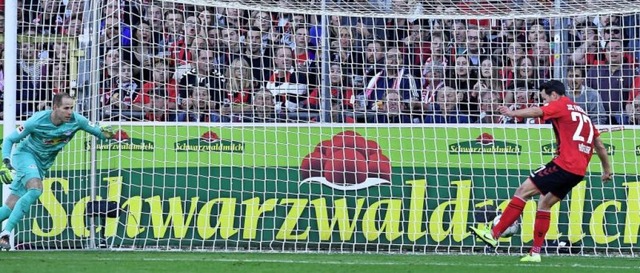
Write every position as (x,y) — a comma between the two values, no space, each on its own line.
(6,177)
(7,163)
(107,131)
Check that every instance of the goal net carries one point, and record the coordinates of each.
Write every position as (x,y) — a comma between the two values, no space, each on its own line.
(326,126)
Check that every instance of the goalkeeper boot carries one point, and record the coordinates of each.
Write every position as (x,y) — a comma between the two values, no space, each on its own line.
(485,235)
(531,258)
(5,244)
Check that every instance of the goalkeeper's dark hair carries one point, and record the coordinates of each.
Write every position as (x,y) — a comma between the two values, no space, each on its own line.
(57,98)
(553,86)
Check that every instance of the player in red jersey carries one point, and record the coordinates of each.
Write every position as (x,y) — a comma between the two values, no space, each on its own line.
(576,139)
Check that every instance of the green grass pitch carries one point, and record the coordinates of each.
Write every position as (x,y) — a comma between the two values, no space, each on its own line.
(154,262)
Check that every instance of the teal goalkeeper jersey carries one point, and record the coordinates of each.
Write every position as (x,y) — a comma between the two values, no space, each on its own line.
(40,137)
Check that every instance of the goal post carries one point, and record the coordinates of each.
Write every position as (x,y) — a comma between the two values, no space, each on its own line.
(345,125)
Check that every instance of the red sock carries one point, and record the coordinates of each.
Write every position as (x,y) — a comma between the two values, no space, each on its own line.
(540,229)
(510,215)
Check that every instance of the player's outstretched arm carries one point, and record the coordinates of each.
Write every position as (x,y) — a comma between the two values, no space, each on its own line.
(531,112)
(101,132)
(601,151)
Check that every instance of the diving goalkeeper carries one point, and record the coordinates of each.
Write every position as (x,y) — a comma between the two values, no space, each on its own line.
(39,140)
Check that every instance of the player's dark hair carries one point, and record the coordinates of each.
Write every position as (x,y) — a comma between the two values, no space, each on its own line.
(553,86)
(57,98)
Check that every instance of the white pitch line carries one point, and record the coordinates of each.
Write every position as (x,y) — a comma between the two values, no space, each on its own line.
(424,262)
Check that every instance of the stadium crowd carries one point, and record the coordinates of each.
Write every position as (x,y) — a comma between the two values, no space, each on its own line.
(164,61)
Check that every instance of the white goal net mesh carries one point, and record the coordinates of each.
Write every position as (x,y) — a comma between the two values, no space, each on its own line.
(243,126)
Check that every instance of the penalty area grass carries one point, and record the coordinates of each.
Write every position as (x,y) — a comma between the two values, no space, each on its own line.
(160,261)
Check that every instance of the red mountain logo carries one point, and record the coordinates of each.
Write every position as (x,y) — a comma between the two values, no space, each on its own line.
(121,136)
(485,139)
(210,137)
(347,161)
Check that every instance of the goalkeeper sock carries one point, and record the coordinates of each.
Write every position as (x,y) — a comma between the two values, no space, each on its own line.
(510,215)
(4,213)
(22,207)
(540,229)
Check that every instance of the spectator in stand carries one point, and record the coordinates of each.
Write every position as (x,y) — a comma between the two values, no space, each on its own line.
(257,55)
(240,88)
(289,25)
(491,79)
(302,52)
(49,17)
(536,33)
(522,100)
(439,55)
(161,84)
(342,98)
(396,31)
(374,59)
(198,106)
(509,32)
(31,72)
(611,33)
(305,57)
(633,112)
(74,9)
(173,39)
(110,64)
(584,96)
(543,58)
(208,20)
(204,74)
(447,107)
(336,23)
(581,31)
(489,102)
(233,18)
(231,48)
(154,17)
(416,46)
(392,110)
(473,48)
(394,76)
(459,37)
(263,21)
(264,109)
(346,51)
(463,76)
(613,81)
(114,33)
(514,53)
(58,51)
(121,96)
(125,11)
(59,82)
(433,81)
(73,27)
(288,86)
(142,52)
(526,76)
(366,28)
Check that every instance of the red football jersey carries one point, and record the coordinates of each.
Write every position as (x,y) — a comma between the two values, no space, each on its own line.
(574,134)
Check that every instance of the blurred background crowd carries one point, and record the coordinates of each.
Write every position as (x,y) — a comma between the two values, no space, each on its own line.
(165,61)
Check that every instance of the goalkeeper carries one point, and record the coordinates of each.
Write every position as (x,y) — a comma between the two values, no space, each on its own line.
(38,141)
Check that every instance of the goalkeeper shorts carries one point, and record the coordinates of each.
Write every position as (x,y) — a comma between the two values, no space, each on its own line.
(27,168)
